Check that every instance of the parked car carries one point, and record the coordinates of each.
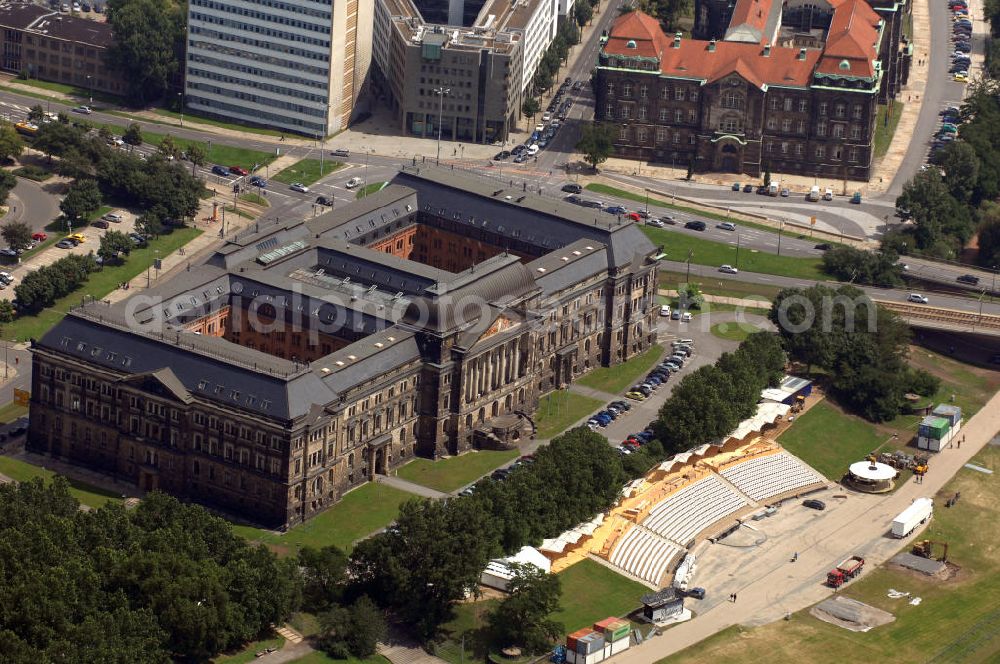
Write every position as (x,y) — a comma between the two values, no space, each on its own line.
(822,246)
(856,198)
(65,244)
(572,188)
(727,226)
(500,156)
(785,193)
(696,225)
(635,394)
(41,237)
(616,209)
(917,297)
(736,186)
(665,310)
(533,150)
(970,279)
(299,187)
(655,223)
(353,182)
(258,181)
(220,170)
(748,188)
(814,504)
(100,223)
(239,170)
(687,317)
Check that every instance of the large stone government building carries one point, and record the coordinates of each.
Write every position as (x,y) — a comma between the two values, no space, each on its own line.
(791,87)
(307,356)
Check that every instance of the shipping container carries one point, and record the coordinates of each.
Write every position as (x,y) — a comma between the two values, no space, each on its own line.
(589,644)
(571,639)
(620,645)
(934,427)
(951,413)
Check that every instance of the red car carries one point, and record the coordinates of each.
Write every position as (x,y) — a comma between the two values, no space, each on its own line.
(238,171)
(41,237)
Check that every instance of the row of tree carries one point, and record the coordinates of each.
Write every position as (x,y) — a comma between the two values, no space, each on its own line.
(162,582)
(861,346)
(42,287)
(709,403)
(857,266)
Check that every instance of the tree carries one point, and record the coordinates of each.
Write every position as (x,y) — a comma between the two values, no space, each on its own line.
(82,200)
(879,268)
(133,135)
(582,13)
(114,245)
(530,107)
(105,133)
(7,311)
(666,11)
(323,577)
(767,176)
(36,113)
(942,223)
(17,235)
(150,223)
(75,164)
(168,148)
(961,169)
(11,145)
(354,631)
(596,143)
(56,138)
(524,617)
(197,155)
(988,236)
(7,183)
(148,38)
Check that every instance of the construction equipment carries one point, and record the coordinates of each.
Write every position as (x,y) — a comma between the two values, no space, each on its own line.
(925,549)
(800,403)
(845,571)
(921,463)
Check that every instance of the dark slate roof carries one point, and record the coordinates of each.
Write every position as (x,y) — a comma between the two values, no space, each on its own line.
(20,15)
(575,262)
(376,210)
(208,367)
(75,29)
(372,267)
(546,222)
(367,358)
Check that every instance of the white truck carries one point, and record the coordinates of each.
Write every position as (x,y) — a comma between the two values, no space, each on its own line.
(813,193)
(917,513)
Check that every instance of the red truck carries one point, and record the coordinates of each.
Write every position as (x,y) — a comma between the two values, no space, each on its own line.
(845,571)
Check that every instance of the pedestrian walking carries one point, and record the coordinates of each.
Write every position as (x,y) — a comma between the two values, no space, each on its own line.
(795,557)
(734,598)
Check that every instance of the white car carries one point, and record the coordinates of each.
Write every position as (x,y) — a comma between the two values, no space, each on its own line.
(353,182)
(85,110)
(546,117)
(533,150)
(918,298)
(686,317)
(655,223)
(727,226)
(828,195)
(728,269)
(665,310)
(298,186)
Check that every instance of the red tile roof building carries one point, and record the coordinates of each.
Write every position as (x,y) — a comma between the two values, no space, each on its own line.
(789,89)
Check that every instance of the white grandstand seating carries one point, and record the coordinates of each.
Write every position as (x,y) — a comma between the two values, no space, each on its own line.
(644,555)
(683,514)
(768,476)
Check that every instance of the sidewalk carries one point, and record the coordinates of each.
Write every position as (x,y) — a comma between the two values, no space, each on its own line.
(409,487)
(857,526)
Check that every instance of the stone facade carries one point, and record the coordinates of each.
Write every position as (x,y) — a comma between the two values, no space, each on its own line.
(305,358)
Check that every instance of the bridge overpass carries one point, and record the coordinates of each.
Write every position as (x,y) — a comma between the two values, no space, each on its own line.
(942,318)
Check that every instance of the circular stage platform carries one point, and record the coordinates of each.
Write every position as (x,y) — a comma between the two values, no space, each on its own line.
(871,477)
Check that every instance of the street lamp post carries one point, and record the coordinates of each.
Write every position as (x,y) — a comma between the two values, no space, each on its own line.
(737,266)
(364,190)
(180,95)
(688,277)
(90,86)
(440,92)
(781,226)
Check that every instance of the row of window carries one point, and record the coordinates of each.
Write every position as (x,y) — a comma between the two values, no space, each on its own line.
(255,114)
(235,58)
(239,26)
(820,152)
(266,44)
(239,65)
(267,87)
(285,6)
(642,90)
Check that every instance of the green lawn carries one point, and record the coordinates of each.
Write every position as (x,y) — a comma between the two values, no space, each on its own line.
(830,440)
(100,284)
(194,116)
(370,189)
(11,412)
(734,331)
(255,199)
(454,472)
(608,190)
(560,410)
(83,95)
(884,132)
(360,513)
(88,494)
(224,155)
(592,592)
(307,171)
(615,379)
(723,287)
(677,246)
(249,653)
(955,622)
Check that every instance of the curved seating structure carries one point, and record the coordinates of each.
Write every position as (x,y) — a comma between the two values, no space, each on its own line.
(683,514)
(644,555)
(771,475)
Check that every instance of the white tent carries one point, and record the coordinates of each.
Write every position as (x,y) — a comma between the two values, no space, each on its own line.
(498,573)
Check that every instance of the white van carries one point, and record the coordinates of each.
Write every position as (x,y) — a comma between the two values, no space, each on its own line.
(828,194)
(813,193)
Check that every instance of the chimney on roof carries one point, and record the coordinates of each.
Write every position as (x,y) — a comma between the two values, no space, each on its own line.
(767,50)
(802,54)
(711,46)
(677,40)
